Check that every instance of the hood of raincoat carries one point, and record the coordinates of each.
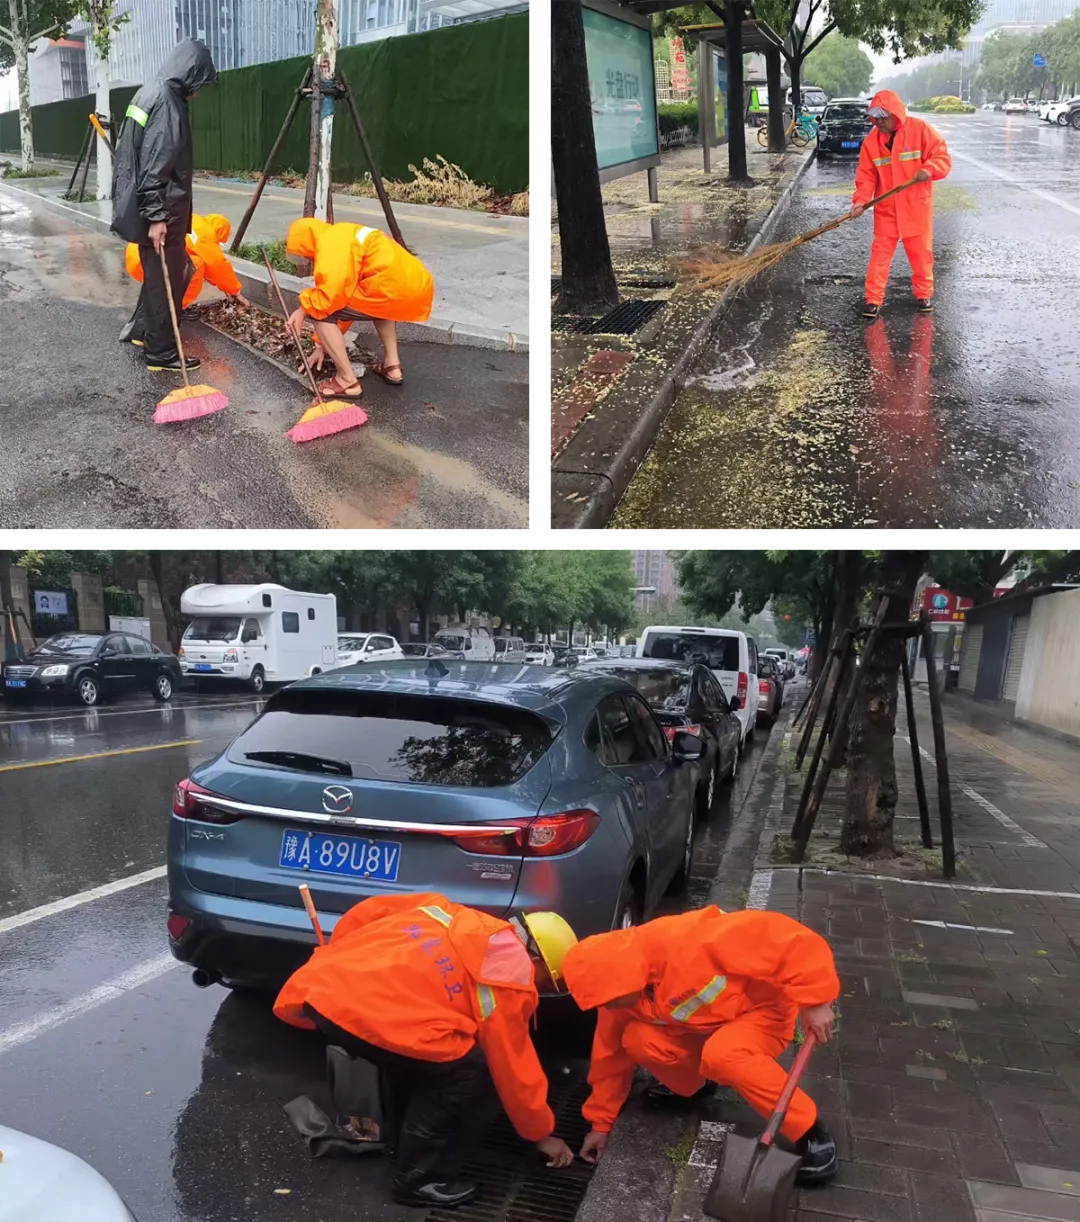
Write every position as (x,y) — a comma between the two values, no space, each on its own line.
(891,102)
(606,966)
(188,67)
(303,236)
(218,225)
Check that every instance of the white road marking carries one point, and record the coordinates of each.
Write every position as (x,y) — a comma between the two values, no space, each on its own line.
(1048,196)
(23,1033)
(708,1131)
(926,882)
(953,925)
(760,887)
(82,897)
(165,707)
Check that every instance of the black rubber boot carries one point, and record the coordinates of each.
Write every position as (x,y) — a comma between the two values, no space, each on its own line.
(417,1188)
(172,365)
(870,310)
(818,1152)
(925,305)
(660,1098)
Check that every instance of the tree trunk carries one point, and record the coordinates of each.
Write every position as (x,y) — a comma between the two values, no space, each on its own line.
(102,106)
(326,48)
(733,18)
(22,69)
(588,279)
(777,139)
(870,798)
(423,609)
(157,571)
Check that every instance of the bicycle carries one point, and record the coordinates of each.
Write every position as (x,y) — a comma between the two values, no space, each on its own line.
(799,131)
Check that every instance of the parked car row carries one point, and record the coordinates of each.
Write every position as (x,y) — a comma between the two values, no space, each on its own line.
(87,666)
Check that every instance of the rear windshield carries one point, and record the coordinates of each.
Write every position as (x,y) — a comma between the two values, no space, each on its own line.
(715,652)
(218,629)
(845,114)
(418,740)
(664,689)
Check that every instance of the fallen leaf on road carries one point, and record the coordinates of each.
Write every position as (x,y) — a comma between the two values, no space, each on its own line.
(282,1192)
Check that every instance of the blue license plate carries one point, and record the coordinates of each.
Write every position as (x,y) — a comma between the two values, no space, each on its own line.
(849,144)
(202,666)
(351,855)
(15,682)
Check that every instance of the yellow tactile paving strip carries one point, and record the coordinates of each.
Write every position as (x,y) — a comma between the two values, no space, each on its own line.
(1041,769)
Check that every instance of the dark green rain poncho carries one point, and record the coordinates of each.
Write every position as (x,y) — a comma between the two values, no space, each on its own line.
(152,177)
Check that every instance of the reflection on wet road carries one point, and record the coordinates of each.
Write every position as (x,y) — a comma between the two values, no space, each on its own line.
(174,1093)
(800,415)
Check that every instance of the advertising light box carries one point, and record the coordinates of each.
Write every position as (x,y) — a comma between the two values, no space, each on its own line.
(620,61)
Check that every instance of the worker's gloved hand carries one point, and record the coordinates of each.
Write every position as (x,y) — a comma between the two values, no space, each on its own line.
(558,1152)
(857,209)
(593,1148)
(923,176)
(819,1019)
(157,235)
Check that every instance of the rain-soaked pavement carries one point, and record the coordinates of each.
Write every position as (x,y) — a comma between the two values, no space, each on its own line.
(172,1092)
(800,415)
(447,449)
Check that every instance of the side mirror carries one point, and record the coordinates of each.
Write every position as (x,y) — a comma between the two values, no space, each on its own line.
(687,746)
(734,704)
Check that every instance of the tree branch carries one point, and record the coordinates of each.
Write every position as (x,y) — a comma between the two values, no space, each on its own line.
(824,33)
(44,33)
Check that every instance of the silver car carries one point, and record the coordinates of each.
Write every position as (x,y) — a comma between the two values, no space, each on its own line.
(40,1182)
(530,788)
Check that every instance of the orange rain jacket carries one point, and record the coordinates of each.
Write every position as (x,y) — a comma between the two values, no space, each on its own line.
(699,970)
(916,146)
(360,269)
(207,258)
(427,978)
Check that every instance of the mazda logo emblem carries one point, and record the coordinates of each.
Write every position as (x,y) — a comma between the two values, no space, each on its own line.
(337,800)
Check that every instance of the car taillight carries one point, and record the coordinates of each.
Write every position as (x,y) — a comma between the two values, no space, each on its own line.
(743,688)
(176,924)
(671,731)
(191,801)
(544,836)
(764,687)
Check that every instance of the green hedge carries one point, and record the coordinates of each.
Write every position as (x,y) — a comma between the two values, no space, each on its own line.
(462,91)
(673,115)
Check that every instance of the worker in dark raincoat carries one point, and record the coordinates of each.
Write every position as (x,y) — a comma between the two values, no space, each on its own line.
(152,190)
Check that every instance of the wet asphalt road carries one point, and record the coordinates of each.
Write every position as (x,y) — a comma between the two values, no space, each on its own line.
(801,415)
(172,1092)
(447,449)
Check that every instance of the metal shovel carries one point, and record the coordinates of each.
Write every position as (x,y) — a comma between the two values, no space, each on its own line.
(754,1180)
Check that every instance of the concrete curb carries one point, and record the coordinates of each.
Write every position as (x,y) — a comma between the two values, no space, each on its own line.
(256,285)
(582,500)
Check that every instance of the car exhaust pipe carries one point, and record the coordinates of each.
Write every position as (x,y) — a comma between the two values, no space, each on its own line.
(203,979)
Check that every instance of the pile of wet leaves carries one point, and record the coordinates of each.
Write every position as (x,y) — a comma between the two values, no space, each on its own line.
(265,332)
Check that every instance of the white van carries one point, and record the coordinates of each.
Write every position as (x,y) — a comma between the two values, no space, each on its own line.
(812,98)
(731,656)
(257,634)
(509,649)
(472,644)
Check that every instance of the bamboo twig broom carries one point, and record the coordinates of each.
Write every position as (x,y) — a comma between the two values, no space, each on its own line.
(724,269)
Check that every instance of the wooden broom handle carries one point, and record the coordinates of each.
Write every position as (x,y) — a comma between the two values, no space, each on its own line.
(172,315)
(296,338)
(313,916)
(892,191)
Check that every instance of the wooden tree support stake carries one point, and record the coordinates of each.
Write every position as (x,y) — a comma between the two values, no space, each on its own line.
(916,756)
(948,844)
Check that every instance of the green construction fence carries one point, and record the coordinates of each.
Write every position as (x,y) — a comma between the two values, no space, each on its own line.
(460,92)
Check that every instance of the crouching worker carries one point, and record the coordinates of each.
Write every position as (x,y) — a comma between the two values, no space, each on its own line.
(360,273)
(208,261)
(705,997)
(428,990)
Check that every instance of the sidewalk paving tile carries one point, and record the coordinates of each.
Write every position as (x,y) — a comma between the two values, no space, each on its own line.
(1049,1179)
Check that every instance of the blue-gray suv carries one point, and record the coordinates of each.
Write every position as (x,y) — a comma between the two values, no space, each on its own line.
(524,787)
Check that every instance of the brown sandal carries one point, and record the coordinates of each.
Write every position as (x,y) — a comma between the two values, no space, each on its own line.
(333,389)
(381,371)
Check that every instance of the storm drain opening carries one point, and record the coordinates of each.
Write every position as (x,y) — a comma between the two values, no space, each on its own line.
(515,1186)
(838,278)
(649,282)
(625,319)
(556,285)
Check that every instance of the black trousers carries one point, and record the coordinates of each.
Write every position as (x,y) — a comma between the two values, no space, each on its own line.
(151,322)
(424,1102)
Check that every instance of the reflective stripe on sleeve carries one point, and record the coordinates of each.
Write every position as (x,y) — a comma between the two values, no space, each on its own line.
(882,161)
(137,113)
(702,998)
(486,995)
(438,914)
(363,233)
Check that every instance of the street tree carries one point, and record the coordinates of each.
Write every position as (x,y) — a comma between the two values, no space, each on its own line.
(924,81)
(839,66)
(871,791)
(104,21)
(588,277)
(903,28)
(28,22)
(976,575)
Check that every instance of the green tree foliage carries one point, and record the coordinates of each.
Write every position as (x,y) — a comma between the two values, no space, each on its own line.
(940,78)
(1007,67)
(839,66)
(36,19)
(975,575)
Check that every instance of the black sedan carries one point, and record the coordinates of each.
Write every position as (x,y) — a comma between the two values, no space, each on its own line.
(90,665)
(686,696)
(843,128)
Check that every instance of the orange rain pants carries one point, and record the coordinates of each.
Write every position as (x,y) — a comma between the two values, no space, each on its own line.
(208,260)
(919,248)
(715,997)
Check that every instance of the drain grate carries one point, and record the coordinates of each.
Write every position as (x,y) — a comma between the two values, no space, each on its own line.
(556,284)
(625,319)
(839,278)
(649,282)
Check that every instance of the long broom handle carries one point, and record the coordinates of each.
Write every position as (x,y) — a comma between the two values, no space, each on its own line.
(815,233)
(295,337)
(172,315)
(313,916)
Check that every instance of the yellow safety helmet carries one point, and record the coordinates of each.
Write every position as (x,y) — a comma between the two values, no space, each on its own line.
(547,937)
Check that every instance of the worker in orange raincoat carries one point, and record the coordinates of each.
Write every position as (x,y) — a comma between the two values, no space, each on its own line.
(427,989)
(900,148)
(700,998)
(360,273)
(208,260)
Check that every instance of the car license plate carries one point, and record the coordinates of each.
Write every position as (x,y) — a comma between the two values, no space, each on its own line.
(202,666)
(351,855)
(15,682)
(849,144)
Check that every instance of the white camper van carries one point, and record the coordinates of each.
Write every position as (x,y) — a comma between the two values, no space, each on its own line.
(472,644)
(257,634)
